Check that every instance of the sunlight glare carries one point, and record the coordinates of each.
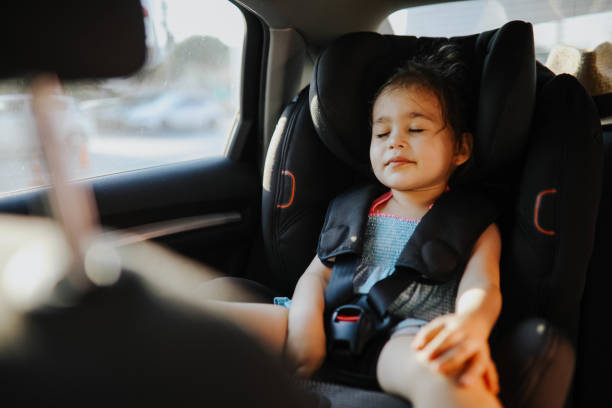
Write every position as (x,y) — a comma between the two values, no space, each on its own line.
(210,17)
(33,269)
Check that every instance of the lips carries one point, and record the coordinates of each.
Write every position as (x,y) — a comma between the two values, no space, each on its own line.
(398,161)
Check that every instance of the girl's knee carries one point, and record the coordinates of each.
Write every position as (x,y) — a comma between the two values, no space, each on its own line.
(402,372)
(399,369)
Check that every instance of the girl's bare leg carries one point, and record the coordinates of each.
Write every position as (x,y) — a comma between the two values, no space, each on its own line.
(400,371)
(239,300)
(266,322)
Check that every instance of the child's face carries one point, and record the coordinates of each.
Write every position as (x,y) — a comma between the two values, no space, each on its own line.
(412,149)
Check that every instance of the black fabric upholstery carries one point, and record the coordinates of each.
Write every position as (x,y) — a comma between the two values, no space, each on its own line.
(538,362)
(300,178)
(604,105)
(594,354)
(548,238)
(505,102)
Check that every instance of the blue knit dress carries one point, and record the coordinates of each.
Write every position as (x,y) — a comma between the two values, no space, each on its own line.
(385,238)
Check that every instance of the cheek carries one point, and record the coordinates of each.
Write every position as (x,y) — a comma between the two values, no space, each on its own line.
(437,149)
(373,154)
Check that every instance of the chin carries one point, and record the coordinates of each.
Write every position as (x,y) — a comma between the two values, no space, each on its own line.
(403,186)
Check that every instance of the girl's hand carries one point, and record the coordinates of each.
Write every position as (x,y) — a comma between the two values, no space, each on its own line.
(458,346)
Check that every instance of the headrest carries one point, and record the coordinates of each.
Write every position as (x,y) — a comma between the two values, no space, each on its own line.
(501,64)
(592,68)
(74,39)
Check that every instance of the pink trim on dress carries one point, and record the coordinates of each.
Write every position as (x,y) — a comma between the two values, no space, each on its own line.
(375,212)
(399,217)
(380,201)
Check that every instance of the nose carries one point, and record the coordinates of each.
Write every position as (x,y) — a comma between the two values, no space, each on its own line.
(395,140)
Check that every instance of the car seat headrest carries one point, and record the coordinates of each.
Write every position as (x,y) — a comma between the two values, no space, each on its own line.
(501,66)
(94,39)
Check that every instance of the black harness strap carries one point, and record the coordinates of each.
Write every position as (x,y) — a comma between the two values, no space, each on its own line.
(436,253)
(340,288)
(385,291)
(345,222)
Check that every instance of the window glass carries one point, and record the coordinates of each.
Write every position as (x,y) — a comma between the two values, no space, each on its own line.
(180,106)
(579,23)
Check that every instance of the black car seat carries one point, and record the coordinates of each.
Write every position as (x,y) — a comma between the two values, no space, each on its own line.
(537,149)
(594,355)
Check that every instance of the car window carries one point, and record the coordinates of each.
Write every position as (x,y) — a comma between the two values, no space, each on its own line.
(578,23)
(180,106)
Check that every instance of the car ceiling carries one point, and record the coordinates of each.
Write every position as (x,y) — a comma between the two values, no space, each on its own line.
(320,21)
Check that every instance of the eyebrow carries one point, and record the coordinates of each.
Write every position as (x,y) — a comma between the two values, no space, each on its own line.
(412,115)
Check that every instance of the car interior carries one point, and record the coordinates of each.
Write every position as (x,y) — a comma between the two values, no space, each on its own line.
(300,138)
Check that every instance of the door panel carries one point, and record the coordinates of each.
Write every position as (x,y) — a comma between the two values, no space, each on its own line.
(206,209)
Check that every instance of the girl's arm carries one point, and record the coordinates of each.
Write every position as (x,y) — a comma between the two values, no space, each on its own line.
(458,342)
(306,332)
(479,294)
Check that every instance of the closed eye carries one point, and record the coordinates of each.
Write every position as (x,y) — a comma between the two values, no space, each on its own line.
(415,130)
(379,135)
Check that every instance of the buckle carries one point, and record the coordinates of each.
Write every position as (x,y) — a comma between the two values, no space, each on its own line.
(352,326)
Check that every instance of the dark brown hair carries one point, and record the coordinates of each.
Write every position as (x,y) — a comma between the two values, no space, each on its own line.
(444,74)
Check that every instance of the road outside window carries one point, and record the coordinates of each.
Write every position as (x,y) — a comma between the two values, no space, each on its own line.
(180,106)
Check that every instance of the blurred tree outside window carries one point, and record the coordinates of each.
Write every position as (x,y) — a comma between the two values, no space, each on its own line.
(180,106)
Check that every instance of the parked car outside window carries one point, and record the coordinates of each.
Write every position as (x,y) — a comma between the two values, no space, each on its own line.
(180,106)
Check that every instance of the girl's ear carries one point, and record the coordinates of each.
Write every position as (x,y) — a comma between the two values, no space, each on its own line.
(464,148)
